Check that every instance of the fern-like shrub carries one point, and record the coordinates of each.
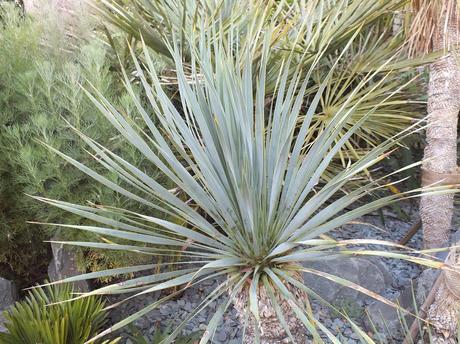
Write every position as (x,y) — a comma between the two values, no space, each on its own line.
(41,98)
(43,318)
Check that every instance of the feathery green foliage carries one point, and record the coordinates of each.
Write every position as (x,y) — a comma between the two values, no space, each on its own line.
(249,167)
(40,81)
(44,317)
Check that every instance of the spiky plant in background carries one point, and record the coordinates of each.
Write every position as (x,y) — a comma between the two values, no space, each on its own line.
(39,319)
(252,172)
(323,29)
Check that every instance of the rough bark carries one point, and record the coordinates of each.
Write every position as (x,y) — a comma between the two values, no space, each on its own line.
(444,312)
(441,158)
(270,329)
(441,137)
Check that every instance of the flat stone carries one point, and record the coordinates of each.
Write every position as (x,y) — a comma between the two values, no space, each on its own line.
(354,336)
(387,320)
(64,265)
(368,273)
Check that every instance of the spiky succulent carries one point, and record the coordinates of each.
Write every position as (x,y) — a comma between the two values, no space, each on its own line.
(247,205)
(45,317)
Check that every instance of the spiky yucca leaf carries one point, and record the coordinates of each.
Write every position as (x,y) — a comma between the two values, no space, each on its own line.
(249,170)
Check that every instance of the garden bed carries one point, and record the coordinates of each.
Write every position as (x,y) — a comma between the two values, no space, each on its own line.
(170,314)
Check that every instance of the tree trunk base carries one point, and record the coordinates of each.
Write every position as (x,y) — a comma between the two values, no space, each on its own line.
(444,312)
(270,329)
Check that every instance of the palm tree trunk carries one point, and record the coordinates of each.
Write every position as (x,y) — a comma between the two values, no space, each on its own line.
(270,329)
(441,137)
(444,312)
(440,161)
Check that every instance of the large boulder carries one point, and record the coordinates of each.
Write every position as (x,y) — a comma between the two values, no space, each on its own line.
(368,273)
(8,296)
(64,265)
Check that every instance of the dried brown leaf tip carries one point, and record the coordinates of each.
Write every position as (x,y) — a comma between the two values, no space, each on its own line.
(434,25)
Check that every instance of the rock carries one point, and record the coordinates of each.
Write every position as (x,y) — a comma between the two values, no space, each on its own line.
(337,323)
(368,273)
(8,296)
(425,283)
(164,311)
(386,320)
(221,336)
(63,265)
(2,321)
(354,336)
(8,293)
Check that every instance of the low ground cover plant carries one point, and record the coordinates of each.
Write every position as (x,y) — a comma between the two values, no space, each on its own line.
(44,317)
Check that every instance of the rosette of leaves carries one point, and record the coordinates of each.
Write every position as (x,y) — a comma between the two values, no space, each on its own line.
(45,317)
(251,210)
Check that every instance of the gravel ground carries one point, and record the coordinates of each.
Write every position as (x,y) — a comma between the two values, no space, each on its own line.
(171,313)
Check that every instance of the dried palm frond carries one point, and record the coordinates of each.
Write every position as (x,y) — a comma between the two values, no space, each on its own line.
(430,21)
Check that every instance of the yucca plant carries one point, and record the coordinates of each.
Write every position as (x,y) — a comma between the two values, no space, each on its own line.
(44,317)
(247,207)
